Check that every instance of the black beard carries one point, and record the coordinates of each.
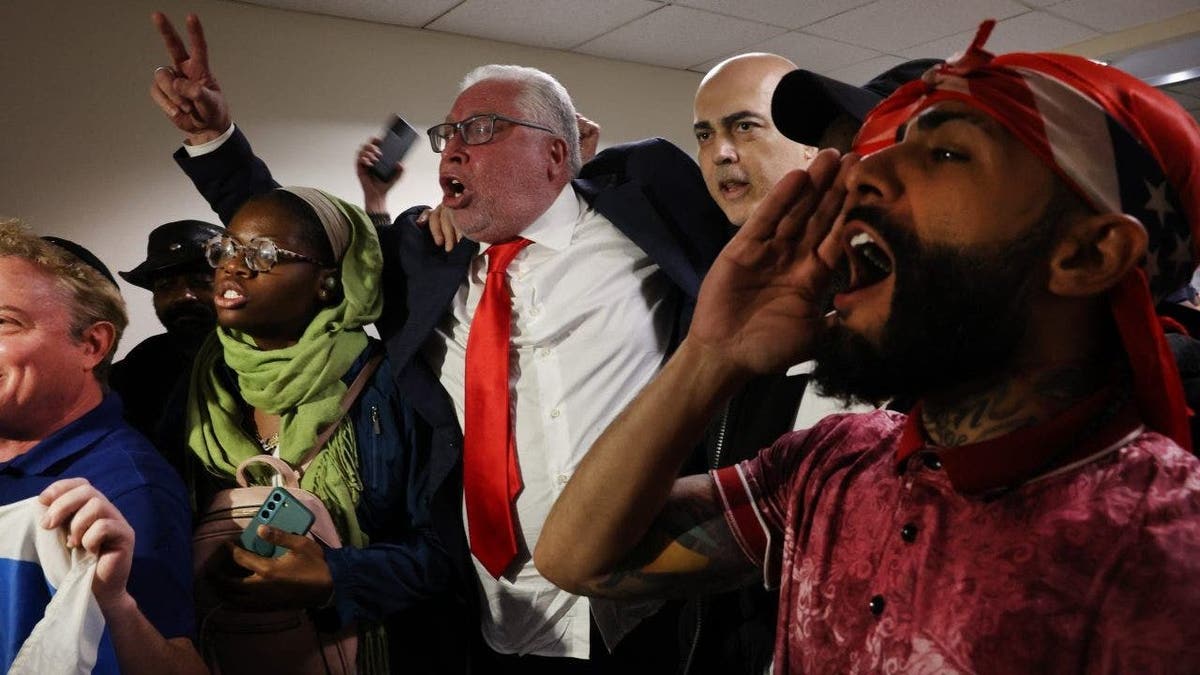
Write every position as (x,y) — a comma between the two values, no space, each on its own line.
(190,321)
(957,315)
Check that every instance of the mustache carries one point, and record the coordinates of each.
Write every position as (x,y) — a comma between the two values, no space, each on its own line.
(730,173)
(189,310)
(874,217)
(902,241)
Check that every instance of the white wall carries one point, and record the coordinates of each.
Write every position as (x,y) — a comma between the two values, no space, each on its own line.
(86,154)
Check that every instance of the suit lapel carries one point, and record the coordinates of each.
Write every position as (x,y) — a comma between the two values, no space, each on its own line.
(627,206)
(433,277)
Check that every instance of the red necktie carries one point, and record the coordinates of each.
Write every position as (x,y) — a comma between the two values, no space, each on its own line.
(491,477)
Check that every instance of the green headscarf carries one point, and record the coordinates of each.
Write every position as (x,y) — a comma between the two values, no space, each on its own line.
(301,383)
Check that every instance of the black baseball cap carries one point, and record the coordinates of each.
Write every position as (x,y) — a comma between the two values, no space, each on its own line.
(805,103)
(173,247)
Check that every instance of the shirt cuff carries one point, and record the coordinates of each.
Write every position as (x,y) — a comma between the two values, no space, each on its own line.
(747,524)
(340,611)
(211,146)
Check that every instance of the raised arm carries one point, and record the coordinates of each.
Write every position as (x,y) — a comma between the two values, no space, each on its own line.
(228,173)
(624,526)
(374,190)
(589,137)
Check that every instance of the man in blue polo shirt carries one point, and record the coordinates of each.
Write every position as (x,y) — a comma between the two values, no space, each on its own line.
(63,442)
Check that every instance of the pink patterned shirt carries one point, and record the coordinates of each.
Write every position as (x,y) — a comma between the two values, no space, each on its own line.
(894,556)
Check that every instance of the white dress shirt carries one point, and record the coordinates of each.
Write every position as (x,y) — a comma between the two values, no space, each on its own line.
(592,317)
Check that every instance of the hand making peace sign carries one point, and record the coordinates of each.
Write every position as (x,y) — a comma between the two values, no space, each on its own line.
(186,91)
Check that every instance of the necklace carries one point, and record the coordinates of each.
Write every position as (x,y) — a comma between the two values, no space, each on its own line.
(270,445)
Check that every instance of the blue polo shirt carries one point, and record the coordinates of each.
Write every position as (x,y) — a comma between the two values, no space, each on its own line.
(122,464)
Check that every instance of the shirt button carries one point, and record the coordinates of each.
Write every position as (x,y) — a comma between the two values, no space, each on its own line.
(555,413)
(932,461)
(909,533)
(533,311)
(876,605)
(562,479)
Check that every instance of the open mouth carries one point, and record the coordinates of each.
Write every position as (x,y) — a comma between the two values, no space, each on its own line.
(229,296)
(453,191)
(867,263)
(732,189)
(870,262)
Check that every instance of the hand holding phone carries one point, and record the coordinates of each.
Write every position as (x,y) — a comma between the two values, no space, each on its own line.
(396,140)
(279,510)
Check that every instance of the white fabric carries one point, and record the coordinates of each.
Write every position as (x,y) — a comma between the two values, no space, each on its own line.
(65,641)
(592,318)
(211,146)
(814,407)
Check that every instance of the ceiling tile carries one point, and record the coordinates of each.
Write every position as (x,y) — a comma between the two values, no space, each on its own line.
(861,73)
(558,24)
(786,13)
(809,52)
(1115,15)
(678,37)
(415,13)
(893,25)
(1029,32)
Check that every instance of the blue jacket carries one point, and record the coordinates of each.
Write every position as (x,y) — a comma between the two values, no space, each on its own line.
(394,510)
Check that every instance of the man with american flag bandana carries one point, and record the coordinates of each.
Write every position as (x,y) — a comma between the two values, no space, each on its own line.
(1005,234)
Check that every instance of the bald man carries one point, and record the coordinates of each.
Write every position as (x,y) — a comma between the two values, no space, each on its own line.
(741,153)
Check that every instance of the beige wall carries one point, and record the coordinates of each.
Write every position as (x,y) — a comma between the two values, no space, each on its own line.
(86,154)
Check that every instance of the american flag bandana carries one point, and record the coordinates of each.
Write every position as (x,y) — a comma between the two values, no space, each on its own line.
(1120,144)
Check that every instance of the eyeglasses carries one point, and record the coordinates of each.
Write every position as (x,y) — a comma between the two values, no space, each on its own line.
(260,255)
(475,130)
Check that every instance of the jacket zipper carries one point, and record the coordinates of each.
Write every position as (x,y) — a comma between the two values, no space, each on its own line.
(716,463)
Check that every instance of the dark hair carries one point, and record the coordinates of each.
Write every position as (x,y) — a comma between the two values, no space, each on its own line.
(309,229)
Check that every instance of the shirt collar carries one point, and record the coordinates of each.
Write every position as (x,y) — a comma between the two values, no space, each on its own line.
(1097,425)
(70,440)
(556,226)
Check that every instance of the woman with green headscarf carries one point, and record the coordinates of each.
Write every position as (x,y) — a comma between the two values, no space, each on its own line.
(297,277)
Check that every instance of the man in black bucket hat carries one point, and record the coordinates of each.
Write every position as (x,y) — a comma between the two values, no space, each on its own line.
(176,272)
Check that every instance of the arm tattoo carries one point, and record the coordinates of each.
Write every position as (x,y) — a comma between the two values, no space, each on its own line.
(689,550)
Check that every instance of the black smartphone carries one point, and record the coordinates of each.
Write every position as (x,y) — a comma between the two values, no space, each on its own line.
(396,140)
(280,510)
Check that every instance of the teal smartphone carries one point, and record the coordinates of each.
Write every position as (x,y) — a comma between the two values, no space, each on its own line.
(279,510)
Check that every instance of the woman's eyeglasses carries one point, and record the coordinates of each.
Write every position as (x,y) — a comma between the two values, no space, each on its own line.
(260,255)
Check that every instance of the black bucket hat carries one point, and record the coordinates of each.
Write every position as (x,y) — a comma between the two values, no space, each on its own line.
(175,246)
(805,103)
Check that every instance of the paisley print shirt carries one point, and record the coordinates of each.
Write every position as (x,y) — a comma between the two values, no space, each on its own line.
(1071,547)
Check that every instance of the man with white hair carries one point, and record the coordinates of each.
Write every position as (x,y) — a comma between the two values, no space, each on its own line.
(583,283)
